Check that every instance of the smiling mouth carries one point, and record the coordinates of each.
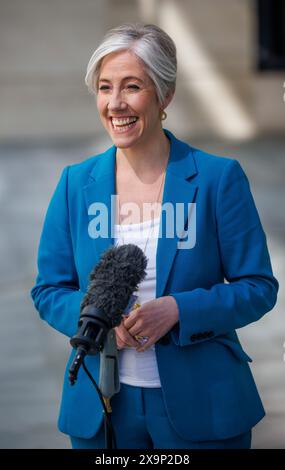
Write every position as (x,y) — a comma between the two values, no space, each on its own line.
(124,124)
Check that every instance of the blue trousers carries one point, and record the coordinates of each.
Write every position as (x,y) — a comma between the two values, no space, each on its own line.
(140,421)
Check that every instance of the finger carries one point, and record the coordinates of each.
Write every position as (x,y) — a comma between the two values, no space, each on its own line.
(125,333)
(131,319)
(121,334)
(132,341)
(128,339)
(120,345)
(119,341)
(135,330)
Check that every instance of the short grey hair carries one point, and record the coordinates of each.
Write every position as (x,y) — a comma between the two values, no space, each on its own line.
(150,44)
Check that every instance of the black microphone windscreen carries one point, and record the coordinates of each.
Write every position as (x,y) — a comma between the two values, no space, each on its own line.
(114,279)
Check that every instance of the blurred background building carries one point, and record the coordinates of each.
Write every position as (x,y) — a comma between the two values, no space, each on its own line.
(229,101)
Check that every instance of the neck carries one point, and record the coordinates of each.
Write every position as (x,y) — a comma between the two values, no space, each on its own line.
(146,157)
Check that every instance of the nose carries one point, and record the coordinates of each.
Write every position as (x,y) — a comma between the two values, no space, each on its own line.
(116,102)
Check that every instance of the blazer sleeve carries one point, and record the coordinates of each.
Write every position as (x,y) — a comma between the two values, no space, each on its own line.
(56,293)
(252,289)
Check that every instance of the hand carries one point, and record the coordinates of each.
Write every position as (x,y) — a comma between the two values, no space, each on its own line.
(153,319)
(123,337)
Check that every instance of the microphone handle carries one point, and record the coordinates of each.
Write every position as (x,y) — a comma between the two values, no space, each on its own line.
(109,382)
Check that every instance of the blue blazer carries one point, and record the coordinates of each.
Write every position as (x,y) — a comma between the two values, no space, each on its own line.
(222,283)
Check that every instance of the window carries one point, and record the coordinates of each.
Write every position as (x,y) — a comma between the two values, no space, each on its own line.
(271,34)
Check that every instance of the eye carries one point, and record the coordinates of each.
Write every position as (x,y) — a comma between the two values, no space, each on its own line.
(135,87)
(131,86)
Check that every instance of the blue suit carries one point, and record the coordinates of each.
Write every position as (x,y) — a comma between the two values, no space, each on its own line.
(207,384)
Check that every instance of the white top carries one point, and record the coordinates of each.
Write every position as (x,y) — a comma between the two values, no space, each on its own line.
(140,368)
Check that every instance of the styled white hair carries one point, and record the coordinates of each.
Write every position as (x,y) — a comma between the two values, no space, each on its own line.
(150,44)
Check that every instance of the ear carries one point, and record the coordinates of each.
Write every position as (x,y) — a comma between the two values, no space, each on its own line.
(168,98)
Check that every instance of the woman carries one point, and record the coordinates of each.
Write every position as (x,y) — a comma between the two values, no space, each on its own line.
(185,379)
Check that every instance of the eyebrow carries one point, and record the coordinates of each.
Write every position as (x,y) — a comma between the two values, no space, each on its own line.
(125,78)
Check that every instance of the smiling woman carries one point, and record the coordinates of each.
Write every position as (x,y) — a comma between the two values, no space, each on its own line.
(128,105)
(189,384)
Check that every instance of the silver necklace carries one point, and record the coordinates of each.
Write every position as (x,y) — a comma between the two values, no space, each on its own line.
(152,219)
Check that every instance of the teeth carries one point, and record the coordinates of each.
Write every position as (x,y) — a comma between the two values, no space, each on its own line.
(123,128)
(121,122)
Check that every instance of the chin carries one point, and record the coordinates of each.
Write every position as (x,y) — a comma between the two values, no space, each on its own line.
(123,146)
(125,142)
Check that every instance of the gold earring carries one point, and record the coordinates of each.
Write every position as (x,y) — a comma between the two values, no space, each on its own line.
(163,115)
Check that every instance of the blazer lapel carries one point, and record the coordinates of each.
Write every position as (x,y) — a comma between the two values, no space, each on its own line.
(100,192)
(177,189)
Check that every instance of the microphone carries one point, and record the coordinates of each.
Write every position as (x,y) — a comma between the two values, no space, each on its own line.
(112,282)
